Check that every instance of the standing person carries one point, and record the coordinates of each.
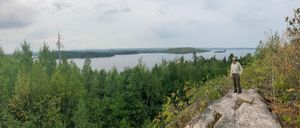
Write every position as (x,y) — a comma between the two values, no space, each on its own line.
(235,72)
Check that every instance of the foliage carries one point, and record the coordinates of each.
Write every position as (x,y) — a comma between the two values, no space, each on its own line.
(275,71)
(178,111)
(47,59)
(38,92)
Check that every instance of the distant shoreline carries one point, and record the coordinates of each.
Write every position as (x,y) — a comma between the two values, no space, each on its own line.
(103,53)
(112,52)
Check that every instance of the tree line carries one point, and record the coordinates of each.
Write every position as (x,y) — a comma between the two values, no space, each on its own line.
(43,93)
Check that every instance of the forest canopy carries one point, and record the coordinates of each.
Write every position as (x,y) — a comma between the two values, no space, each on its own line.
(43,93)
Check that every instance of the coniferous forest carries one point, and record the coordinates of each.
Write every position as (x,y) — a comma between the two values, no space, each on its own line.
(43,93)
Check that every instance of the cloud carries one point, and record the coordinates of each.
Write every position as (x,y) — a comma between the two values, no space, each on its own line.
(60,5)
(38,35)
(164,9)
(168,31)
(141,23)
(9,23)
(108,14)
(116,11)
(14,15)
(111,12)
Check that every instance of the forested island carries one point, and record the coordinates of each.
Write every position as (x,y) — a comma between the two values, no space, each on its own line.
(219,51)
(112,52)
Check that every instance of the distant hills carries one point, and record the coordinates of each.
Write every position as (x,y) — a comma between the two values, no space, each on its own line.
(96,53)
(112,52)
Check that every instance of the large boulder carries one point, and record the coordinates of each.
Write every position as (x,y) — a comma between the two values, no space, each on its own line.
(246,110)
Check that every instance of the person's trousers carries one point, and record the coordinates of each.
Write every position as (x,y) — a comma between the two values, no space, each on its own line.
(236,82)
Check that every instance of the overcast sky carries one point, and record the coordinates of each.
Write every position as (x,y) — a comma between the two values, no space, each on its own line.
(93,24)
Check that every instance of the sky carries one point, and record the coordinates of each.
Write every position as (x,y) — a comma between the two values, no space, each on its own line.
(101,24)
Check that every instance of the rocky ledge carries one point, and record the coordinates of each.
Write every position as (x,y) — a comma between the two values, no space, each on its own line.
(246,110)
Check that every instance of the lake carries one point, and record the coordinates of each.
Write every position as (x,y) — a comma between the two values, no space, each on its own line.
(150,59)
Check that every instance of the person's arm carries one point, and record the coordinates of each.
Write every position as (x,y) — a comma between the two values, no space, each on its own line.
(230,71)
(241,68)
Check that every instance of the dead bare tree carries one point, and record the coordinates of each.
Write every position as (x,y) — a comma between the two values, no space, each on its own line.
(59,47)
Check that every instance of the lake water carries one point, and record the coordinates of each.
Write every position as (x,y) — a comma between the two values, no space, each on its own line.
(150,59)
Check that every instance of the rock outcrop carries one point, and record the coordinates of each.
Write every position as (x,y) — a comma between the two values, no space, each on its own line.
(246,110)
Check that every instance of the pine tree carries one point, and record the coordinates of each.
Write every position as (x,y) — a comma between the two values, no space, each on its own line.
(24,56)
(47,59)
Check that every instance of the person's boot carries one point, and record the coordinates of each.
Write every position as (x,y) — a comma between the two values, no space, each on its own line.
(240,91)
(234,91)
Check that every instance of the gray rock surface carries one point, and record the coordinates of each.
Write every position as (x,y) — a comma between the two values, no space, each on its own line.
(246,110)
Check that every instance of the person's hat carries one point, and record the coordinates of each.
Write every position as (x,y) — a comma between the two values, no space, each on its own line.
(234,58)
